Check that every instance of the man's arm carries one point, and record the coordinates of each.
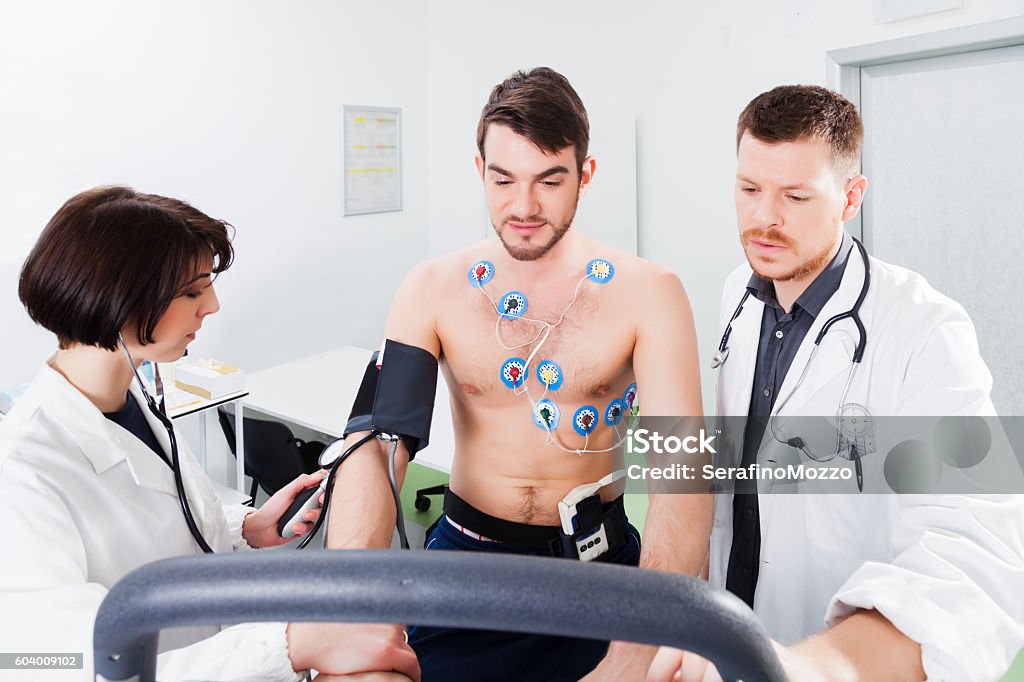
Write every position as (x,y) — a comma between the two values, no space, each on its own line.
(949,590)
(948,601)
(362,511)
(678,527)
(865,646)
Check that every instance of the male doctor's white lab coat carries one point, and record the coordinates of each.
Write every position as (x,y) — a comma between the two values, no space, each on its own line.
(946,570)
(82,503)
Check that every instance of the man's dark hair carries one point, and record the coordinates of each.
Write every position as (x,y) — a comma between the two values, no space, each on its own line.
(541,106)
(112,257)
(794,113)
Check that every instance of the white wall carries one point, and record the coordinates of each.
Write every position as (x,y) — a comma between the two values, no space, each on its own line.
(236,107)
(686,68)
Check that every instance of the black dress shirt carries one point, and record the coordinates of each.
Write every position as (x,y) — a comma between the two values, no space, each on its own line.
(781,336)
(132,419)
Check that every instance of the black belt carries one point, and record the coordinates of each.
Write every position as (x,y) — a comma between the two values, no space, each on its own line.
(528,536)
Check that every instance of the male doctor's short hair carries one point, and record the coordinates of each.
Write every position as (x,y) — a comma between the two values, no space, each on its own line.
(795,113)
(113,257)
(542,106)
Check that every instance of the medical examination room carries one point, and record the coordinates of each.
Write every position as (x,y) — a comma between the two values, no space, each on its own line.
(459,341)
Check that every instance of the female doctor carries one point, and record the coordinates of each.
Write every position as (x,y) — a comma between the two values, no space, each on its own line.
(87,490)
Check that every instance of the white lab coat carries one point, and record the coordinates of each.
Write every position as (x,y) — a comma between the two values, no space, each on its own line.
(946,570)
(82,503)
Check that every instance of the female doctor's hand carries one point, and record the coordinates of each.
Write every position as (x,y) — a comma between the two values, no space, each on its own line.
(260,527)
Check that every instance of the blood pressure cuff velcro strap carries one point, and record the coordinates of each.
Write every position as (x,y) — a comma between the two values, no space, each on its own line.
(398,398)
(362,408)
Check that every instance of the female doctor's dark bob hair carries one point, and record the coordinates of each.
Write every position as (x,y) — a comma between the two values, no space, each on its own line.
(112,257)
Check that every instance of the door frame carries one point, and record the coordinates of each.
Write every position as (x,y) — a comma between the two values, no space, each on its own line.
(843,66)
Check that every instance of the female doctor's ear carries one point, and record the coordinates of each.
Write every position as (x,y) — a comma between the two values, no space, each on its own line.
(260,527)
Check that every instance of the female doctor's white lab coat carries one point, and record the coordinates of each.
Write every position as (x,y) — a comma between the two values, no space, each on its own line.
(82,503)
(946,570)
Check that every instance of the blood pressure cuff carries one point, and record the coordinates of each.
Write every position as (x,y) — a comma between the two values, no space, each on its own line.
(398,398)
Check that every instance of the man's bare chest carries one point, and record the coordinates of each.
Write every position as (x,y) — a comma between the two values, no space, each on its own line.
(579,349)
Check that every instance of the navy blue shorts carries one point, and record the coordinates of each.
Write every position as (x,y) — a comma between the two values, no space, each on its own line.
(451,655)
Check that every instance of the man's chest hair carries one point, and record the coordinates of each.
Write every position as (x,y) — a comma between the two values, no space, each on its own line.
(592,345)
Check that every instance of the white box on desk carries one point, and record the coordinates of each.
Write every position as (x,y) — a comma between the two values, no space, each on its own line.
(209,378)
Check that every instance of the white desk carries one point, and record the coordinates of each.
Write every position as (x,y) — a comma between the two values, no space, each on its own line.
(317,392)
(182,404)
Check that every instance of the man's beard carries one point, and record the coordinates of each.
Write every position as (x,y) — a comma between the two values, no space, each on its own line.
(800,271)
(529,251)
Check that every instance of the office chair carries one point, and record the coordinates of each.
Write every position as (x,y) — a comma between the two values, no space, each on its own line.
(422,502)
(273,455)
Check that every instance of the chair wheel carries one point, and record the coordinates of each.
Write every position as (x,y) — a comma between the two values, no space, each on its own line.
(422,503)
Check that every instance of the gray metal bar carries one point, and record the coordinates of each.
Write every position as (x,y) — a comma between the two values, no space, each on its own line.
(240,449)
(202,439)
(444,589)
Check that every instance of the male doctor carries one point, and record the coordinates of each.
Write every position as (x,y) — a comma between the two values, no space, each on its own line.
(905,586)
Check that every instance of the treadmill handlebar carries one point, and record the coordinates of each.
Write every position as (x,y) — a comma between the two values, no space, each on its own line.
(441,589)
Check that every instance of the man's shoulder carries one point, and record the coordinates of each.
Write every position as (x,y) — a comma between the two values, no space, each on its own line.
(639,271)
(454,265)
(648,292)
(910,293)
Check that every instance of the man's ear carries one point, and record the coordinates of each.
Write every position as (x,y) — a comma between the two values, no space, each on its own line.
(856,187)
(587,174)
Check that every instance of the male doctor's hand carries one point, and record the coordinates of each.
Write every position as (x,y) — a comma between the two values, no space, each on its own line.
(863,646)
(674,665)
(260,527)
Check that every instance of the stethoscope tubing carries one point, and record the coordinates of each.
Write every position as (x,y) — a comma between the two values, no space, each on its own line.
(160,412)
(858,354)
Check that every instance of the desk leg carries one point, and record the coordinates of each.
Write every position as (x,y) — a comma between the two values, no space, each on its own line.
(202,439)
(239,452)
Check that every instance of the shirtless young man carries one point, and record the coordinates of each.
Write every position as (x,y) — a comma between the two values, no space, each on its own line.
(629,324)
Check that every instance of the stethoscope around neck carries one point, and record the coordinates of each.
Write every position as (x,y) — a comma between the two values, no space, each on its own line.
(722,354)
(159,411)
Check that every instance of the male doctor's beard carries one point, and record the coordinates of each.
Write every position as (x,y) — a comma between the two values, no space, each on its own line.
(775,237)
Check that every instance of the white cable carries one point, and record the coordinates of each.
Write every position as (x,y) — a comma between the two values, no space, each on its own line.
(552,437)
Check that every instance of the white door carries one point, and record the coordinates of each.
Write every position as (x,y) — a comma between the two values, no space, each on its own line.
(944,155)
